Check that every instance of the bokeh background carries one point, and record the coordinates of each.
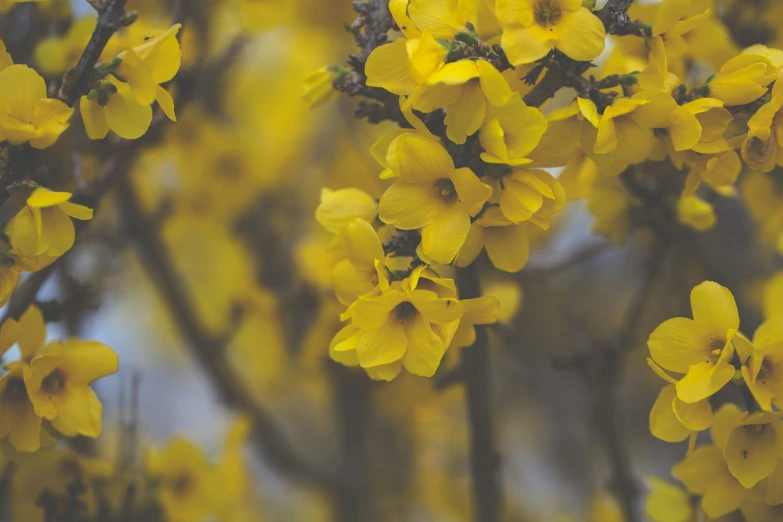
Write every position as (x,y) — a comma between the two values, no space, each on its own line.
(231,190)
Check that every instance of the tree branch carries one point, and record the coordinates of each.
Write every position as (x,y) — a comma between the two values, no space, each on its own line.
(484,458)
(208,351)
(111,17)
(603,382)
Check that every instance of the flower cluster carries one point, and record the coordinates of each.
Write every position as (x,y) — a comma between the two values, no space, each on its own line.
(126,86)
(51,382)
(699,357)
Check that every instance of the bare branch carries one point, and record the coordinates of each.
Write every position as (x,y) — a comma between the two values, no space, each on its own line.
(484,458)
(112,16)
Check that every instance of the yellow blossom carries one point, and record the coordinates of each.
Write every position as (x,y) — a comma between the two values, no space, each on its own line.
(43,226)
(338,208)
(145,67)
(532,28)
(26,114)
(762,149)
(405,326)
(404,66)
(318,87)
(763,373)
(431,195)
(669,503)
(472,84)
(511,132)
(743,79)
(701,347)
(671,23)
(696,213)
(357,274)
(188,482)
(705,472)
(58,380)
(121,113)
(752,447)
(480,311)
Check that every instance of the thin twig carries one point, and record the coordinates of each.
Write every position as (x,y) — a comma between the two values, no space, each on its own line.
(111,17)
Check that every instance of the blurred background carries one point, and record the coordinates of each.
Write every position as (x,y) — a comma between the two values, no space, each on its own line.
(228,195)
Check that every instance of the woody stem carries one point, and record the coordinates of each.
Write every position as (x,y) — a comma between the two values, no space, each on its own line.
(484,458)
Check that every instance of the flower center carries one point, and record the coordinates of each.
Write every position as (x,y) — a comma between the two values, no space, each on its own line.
(761,151)
(445,190)
(15,390)
(54,382)
(547,13)
(405,311)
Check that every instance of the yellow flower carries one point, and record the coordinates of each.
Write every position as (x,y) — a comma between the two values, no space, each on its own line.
(19,424)
(673,420)
(145,67)
(753,446)
(532,28)
(508,246)
(405,326)
(526,195)
(26,114)
(357,274)
(56,54)
(718,170)
(338,208)
(624,134)
(9,277)
(58,380)
(743,79)
(43,227)
(698,124)
(705,472)
(669,503)
(318,87)
(482,311)
(762,148)
(669,24)
(696,213)
(118,110)
(511,132)
(431,195)
(763,374)
(403,67)
(701,347)
(187,481)
(471,84)
(444,19)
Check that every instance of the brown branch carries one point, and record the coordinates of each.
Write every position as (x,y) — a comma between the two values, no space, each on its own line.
(111,17)
(484,458)
(603,372)
(208,351)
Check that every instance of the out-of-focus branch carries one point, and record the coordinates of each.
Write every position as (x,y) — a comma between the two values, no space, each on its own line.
(602,373)
(111,17)
(208,351)
(484,458)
